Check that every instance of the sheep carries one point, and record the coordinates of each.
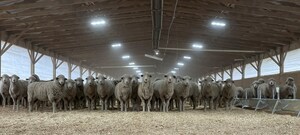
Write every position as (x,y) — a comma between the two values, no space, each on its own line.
(123,91)
(105,90)
(145,91)
(80,98)
(69,93)
(251,92)
(211,92)
(135,100)
(46,91)
(165,90)
(194,94)
(267,89)
(17,90)
(90,89)
(181,91)
(289,90)
(4,89)
(220,83)
(228,93)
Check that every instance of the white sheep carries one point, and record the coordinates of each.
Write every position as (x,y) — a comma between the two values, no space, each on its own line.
(123,91)
(135,100)
(4,89)
(210,93)
(80,98)
(181,91)
(17,90)
(145,91)
(165,90)
(46,91)
(69,94)
(105,90)
(90,92)
(228,93)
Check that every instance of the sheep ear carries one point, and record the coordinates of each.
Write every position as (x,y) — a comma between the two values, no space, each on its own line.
(82,80)
(0,78)
(75,80)
(150,75)
(18,77)
(85,78)
(174,77)
(105,78)
(138,77)
(27,79)
(213,80)
(66,79)
(200,81)
(96,77)
(122,78)
(56,78)
(51,79)
(142,75)
(165,75)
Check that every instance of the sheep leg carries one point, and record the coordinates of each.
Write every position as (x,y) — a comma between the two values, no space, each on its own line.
(18,103)
(149,104)
(122,106)
(180,105)
(89,103)
(14,104)
(204,101)
(94,103)
(3,101)
(126,105)
(54,106)
(143,105)
(226,102)
(183,104)
(167,105)
(102,104)
(211,103)
(65,105)
(105,104)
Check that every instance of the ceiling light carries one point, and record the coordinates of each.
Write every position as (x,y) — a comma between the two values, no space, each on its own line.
(131,63)
(135,68)
(187,57)
(156,52)
(116,45)
(153,57)
(138,71)
(217,23)
(176,68)
(174,72)
(98,22)
(180,63)
(125,57)
(197,46)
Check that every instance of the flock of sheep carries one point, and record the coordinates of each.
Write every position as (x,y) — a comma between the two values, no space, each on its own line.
(161,94)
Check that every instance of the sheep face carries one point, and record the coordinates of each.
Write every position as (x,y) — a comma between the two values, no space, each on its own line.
(60,80)
(126,79)
(31,79)
(186,80)
(146,78)
(14,78)
(5,79)
(101,79)
(70,84)
(208,81)
(255,84)
(271,82)
(219,82)
(135,79)
(261,81)
(79,81)
(90,80)
(179,79)
(228,82)
(290,81)
(170,78)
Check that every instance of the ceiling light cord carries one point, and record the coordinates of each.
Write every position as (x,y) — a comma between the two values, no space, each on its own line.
(170,26)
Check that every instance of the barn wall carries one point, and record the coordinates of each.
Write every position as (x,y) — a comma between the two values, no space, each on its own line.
(279,78)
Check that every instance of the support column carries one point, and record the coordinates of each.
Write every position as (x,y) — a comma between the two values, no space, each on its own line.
(34,58)
(89,72)
(71,68)
(257,65)
(55,64)
(80,71)
(8,42)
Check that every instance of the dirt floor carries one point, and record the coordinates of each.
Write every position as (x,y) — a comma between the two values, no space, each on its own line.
(237,121)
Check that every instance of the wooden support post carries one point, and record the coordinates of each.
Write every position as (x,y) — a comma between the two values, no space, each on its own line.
(34,58)
(55,64)
(69,70)
(222,74)
(90,72)
(80,71)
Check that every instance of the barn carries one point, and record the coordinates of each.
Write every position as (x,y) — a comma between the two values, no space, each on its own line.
(149,66)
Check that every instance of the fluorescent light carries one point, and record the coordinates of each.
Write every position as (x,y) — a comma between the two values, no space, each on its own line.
(180,63)
(116,45)
(176,68)
(215,23)
(174,72)
(98,22)
(156,53)
(187,57)
(153,57)
(138,71)
(197,46)
(131,63)
(125,57)
(135,68)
